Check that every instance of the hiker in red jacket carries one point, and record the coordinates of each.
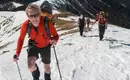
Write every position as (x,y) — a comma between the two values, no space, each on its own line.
(39,42)
(102,21)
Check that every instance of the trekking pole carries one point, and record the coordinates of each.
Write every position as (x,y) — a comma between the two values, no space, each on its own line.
(19,70)
(57,62)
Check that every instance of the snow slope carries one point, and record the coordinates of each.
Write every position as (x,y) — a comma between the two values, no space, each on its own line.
(80,58)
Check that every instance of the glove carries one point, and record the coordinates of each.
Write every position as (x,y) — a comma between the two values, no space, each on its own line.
(15,58)
(52,42)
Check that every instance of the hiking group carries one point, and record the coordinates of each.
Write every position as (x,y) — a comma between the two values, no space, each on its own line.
(42,35)
(101,18)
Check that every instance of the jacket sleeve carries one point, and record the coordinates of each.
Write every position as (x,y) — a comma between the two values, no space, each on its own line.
(53,32)
(21,39)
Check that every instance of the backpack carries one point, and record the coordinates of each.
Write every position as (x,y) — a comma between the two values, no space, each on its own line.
(46,27)
(46,7)
(105,16)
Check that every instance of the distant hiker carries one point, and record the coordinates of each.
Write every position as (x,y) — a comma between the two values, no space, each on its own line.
(102,21)
(46,10)
(88,22)
(81,24)
(39,41)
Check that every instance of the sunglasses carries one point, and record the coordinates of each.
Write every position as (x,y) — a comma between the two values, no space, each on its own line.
(34,15)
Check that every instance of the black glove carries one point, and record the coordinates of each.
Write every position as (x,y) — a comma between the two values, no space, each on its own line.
(15,58)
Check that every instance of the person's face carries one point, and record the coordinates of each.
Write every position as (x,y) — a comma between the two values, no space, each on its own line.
(102,15)
(34,17)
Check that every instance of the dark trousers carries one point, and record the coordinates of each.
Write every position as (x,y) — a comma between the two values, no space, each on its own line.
(81,28)
(101,31)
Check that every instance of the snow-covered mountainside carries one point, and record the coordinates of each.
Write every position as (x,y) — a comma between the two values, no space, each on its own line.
(80,58)
(118,10)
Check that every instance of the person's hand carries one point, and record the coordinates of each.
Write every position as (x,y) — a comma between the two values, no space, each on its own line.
(15,58)
(53,42)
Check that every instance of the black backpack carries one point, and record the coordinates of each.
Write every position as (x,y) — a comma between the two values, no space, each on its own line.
(46,27)
(46,7)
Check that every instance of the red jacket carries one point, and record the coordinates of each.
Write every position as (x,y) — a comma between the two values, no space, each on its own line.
(100,19)
(41,38)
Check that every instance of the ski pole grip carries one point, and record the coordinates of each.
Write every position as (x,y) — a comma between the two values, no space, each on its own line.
(52,37)
(15,56)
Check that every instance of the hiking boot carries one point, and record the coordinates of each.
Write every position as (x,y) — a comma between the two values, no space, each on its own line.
(101,37)
(83,36)
(36,74)
(47,76)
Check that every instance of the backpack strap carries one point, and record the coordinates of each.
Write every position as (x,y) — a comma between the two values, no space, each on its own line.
(28,30)
(46,27)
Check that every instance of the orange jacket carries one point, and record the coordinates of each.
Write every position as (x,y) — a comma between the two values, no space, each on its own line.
(100,19)
(41,38)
